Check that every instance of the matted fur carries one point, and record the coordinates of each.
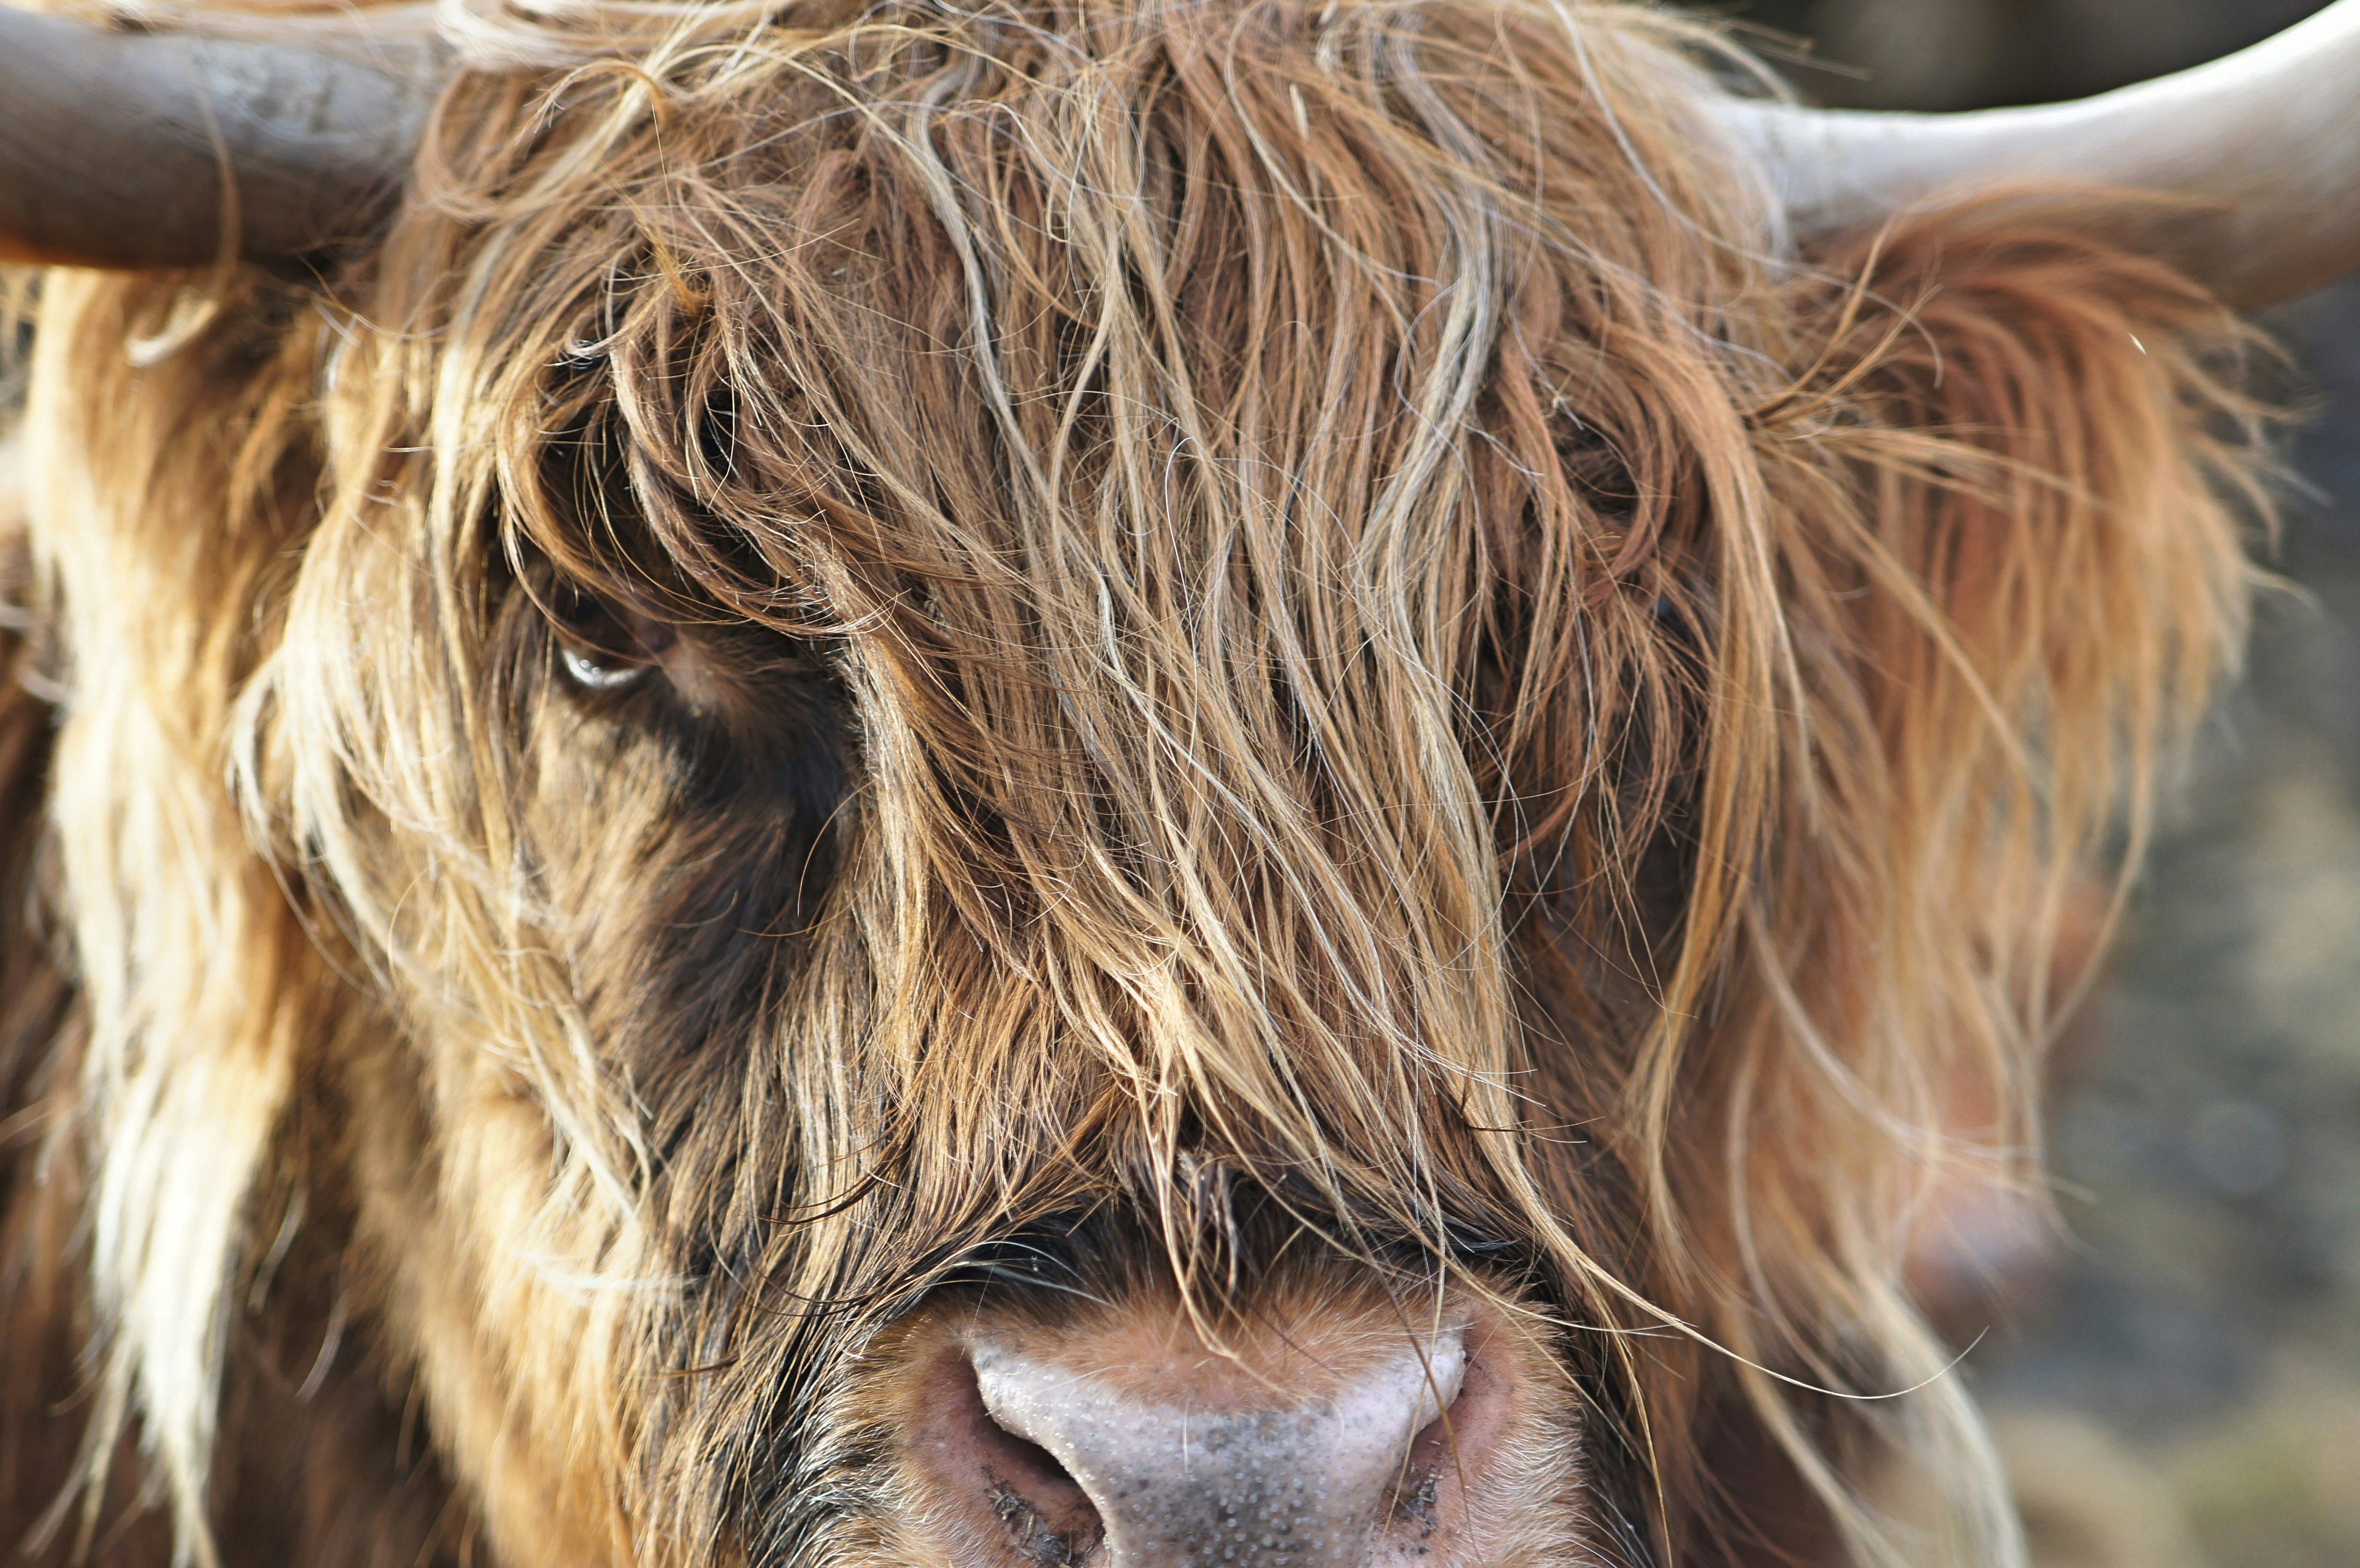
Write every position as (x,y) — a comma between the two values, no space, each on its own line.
(1272,599)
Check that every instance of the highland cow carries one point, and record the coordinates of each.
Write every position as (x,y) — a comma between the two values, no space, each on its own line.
(1070,783)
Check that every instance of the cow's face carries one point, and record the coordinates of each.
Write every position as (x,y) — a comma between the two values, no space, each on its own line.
(981,759)
(1172,787)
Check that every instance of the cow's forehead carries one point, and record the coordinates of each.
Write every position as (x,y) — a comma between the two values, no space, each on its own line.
(964,335)
(1117,459)
(1242,504)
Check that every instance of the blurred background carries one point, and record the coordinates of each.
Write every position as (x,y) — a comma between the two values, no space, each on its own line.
(2182,1390)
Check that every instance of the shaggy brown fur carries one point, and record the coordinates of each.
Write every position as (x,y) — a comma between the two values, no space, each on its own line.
(1224,627)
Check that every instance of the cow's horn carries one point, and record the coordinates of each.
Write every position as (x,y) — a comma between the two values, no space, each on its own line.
(2264,143)
(112,144)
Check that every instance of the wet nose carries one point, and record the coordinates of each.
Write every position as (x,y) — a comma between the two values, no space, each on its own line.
(1319,1431)
(1239,1471)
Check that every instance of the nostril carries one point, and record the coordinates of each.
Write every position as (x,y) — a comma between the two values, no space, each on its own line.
(1448,1454)
(1031,1467)
(1008,1500)
(1049,1519)
(1415,1501)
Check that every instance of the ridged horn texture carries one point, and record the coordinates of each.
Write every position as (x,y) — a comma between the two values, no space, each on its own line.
(2263,145)
(112,144)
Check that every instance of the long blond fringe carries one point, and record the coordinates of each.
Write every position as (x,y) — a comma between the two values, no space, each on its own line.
(1396,640)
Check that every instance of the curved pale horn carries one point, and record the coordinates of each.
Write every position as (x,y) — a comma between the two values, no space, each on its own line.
(112,143)
(2265,144)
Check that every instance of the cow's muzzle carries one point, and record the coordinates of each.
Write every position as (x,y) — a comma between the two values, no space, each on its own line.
(1336,1435)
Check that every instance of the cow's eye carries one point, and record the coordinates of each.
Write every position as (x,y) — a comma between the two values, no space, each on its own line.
(597,671)
(603,648)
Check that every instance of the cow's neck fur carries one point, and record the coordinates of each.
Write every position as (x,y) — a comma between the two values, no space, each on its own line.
(324,1463)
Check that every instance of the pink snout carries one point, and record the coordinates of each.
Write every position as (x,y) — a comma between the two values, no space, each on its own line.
(1305,1485)
(1127,1441)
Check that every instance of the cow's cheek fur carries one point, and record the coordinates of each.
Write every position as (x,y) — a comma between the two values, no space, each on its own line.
(514,1344)
(510,1278)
